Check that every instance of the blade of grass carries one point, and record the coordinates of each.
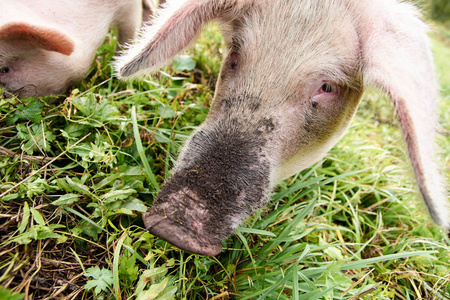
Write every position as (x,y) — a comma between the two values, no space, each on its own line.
(364,263)
(142,260)
(316,294)
(78,259)
(244,241)
(287,230)
(115,269)
(84,218)
(257,231)
(295,289)
(141,151)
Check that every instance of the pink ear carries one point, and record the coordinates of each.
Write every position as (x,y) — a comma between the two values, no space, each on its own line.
(173,30)
(397,58)
(42,37)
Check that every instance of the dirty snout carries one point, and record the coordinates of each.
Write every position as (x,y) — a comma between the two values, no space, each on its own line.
(221,177)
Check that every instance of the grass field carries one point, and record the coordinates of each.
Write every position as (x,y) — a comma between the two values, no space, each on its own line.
(77,172)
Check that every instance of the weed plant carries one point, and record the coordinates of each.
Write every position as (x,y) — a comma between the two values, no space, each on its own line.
(77,172)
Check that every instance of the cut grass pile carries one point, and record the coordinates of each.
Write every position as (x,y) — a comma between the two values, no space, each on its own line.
(76,174)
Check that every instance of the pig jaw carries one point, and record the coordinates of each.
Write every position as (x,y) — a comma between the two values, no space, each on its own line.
(221,177)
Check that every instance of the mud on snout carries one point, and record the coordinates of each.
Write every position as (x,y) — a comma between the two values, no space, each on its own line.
(221,177)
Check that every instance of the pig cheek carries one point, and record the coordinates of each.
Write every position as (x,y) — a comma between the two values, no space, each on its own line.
(12,83)
(5,73)
(325,114)
(305,130)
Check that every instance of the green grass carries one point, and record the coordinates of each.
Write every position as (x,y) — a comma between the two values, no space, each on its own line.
(351,227)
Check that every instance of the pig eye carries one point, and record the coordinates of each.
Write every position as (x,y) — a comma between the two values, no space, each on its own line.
(326,88)
(234,56)
(4,70)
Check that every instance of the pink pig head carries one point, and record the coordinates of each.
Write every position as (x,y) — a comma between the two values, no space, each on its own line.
(45,46)
(292,77)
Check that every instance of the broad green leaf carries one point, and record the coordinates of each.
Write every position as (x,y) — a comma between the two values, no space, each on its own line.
(89,228)
(154,274)
(39,232)
(30,111)
(37,217)
(166,112)
(118,195)
(33,136)
(23,239)
(316,294)
(39,186)
(11,196)
(77,186)
(9,295)
(184,63)
(66,199)
(154,290)
(25,218)
(135,205)
(86,105)
(128,269)
(102,279)
(334,252)
(74,130)
(168,293)
(96,114)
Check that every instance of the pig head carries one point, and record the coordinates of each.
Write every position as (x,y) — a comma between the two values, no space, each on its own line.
(290,83)
(45,46)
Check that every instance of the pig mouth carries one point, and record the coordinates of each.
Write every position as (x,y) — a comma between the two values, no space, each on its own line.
(180,236)
(197,218)
(182,221)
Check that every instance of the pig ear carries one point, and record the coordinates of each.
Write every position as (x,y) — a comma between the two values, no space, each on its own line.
(397,58)
(175,27)
(42,37)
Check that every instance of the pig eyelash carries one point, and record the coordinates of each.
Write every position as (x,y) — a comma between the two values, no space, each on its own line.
(4,70)
(327,88)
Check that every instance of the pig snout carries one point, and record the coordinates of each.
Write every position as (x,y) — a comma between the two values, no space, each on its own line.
(222,176)
(29,90)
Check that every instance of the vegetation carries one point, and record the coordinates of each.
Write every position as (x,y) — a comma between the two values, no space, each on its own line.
(77,172)
(440,10)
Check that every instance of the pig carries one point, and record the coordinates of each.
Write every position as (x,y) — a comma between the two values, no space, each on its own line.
(290,83)
(46,46)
